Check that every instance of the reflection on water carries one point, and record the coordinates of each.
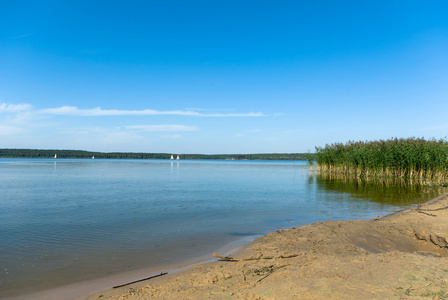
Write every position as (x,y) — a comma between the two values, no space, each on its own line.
(80,219)
(172,167)
(398,191)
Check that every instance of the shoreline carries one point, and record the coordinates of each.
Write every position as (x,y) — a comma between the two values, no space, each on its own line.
(404,254)
(200,278)
(83,289)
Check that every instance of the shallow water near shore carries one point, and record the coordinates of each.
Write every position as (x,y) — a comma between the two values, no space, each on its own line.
(65,221)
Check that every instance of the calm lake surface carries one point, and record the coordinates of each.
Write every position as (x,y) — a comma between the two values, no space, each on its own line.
(64,221)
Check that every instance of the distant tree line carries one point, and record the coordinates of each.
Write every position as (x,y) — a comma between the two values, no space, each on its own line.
(263,156)
(38,153)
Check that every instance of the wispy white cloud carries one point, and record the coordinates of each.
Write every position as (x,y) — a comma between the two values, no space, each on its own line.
(104,138)
(15,118)
(98,111)
(9,130)
(163,127)
(29,126)
(4,107)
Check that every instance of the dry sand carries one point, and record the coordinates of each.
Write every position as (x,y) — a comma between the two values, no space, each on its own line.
(403,256)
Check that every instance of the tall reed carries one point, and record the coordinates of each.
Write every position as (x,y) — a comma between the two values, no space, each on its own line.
(403,158)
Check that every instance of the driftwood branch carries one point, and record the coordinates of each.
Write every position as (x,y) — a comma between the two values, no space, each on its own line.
(288,256)
(121,285)
(436,209)
(229,258)
(425,213)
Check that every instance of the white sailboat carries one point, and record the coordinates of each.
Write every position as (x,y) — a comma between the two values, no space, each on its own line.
(93,157)
(177,157)
(55,156)
(172,157)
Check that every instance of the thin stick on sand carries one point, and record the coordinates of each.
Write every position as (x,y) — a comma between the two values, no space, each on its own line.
(121,285)
(229,258)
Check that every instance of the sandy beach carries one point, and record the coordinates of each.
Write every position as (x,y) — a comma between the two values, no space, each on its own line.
(402,256)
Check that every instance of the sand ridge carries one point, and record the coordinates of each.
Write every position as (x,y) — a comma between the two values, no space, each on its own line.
(403,256)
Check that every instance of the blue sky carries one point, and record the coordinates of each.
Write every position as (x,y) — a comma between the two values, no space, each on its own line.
(220,76)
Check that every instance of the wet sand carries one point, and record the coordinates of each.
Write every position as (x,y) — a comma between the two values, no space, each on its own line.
(402,256)
(81,289)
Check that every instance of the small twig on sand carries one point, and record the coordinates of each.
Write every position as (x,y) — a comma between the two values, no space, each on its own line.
(375,219)
(264,277)
(441,208)
(422,212)
(121,285)
(408,291)
(229,258)
(288,256)
(244,275)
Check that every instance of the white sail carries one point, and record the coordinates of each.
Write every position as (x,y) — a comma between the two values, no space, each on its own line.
(55,156)
(177,157)
(172,157)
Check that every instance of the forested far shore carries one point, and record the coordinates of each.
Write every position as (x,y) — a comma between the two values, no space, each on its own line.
(38,153)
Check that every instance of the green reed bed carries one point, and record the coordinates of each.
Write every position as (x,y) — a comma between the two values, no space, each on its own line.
(403,158)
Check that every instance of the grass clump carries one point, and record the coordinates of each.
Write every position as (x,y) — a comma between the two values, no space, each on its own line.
(263,270)
(402,158)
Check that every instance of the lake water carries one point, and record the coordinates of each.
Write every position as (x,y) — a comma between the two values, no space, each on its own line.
(64,221)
